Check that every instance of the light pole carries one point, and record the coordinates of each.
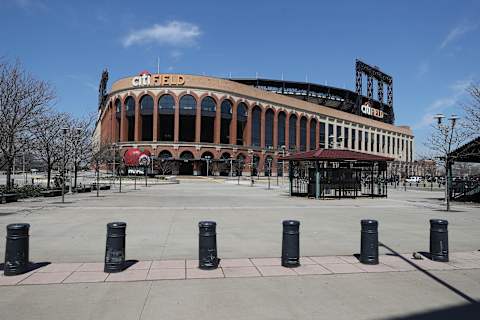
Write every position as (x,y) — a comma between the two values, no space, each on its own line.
(269,167)
(64,132)
(283,147)
(250,152)
(231,167)
(207,159)
(448,136)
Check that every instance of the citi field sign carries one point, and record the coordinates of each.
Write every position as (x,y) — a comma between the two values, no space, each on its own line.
(366,109)
(147,79)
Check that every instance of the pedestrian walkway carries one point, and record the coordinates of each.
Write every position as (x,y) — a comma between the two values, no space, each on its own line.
(56,273)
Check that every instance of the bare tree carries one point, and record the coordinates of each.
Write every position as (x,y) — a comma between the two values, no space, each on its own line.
(472,111)
(48,139)
(81,144)
(101,156)
(22,100)
(165,165)
(446,138)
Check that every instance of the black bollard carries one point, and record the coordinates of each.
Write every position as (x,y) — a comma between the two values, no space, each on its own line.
(115,247)
(207,245)
(439,240)
(291,244)
(369,242)
(16,249)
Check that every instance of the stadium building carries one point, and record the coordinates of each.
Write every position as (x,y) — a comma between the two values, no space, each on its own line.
(189,120)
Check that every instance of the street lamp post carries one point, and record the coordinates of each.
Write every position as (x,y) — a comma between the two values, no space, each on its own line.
(64,132)
(231,167)
(283,147)
(207,159)
(269,166)
(448,133)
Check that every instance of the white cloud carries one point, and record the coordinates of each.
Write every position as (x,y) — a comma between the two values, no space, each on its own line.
(174,33)
(458,91)
(456,33)
(29,4)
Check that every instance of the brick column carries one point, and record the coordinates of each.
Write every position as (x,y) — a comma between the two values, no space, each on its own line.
(317,135)
(138,121)
(233,125)
(176,124)
(298,133)
(218,123)
(198,121)
(113,122)
(287,130)
(248,128)
(262,128)
(308,135)
(275,130)
(155,119)
(123,122)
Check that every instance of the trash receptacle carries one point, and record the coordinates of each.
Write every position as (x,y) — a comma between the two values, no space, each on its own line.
(17,249)
(115,247)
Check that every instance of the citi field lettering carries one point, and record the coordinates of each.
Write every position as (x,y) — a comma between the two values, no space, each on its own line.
(158,80)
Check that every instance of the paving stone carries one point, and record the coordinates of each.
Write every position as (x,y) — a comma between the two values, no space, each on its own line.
(239,272)
(311,269)
(46,278)
(349,259)
(128,275)
(168,264)
(60,267)
(266,261)
(466,264)
(235,263)
(375,268)
(196,273)
(306,261)
(268,271)
(92,266)
(13,280)
(342,267)
(140,265)
(328,259)
(86,276)
(166,274)
(192,264)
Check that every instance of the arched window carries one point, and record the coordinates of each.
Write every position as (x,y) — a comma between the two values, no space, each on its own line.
(187,118)
(165,154)
(281,129)
(130,113)
(166,104)
(188,102)
(118,106)
(208,119)
(226,116)
(292,132)
(146,105)
(303,134)
(118,117)
(146,113)
(256,126)
(242,115)
(166,118)
(313,137)
(208,105)
(269,115)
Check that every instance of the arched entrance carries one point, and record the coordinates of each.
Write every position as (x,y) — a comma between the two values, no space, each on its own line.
(224,164)
(186,163)
(206,156)
(239,164)
(165,163)
(267,166)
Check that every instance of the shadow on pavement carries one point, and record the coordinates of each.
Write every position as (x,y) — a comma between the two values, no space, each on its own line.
(463,312)
(434,277)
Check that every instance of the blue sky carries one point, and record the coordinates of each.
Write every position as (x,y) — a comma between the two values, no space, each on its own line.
(431,48)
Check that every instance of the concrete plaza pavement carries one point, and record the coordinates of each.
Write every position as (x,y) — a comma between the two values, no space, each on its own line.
(163,222)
